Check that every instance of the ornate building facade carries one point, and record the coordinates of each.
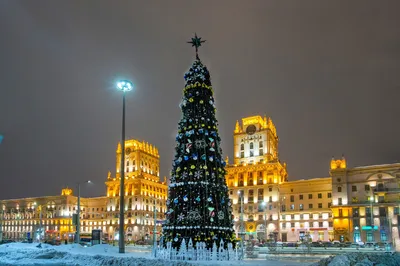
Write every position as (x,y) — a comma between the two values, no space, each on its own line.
(353,204)
(144,192)
(366,202)
(51,217)
(255,176)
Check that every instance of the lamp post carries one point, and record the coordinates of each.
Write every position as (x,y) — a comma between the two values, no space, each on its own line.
(124,86)
(265,219)
(1,224)
(372,212)
(40,220)
(155,230)
(78,214)
(241,230)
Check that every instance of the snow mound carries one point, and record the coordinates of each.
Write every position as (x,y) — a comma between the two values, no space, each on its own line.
(361,259)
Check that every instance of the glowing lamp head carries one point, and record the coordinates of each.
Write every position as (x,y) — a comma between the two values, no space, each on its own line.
(124,85)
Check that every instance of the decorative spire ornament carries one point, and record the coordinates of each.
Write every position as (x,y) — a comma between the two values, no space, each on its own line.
(196,42)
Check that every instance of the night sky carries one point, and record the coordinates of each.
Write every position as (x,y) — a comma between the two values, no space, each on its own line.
(326,72)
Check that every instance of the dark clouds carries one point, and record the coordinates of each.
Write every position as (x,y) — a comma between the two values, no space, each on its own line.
(327,72)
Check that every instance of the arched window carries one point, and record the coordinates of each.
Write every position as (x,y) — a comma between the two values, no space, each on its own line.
(251,145)
(242,147)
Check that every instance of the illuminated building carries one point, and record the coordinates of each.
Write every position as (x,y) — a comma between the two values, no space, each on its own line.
(20,218)
(256,174)
(366,202)
(306,209)
(143,192)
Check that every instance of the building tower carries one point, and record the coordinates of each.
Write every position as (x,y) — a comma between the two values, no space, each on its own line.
(144,191)
(255,176)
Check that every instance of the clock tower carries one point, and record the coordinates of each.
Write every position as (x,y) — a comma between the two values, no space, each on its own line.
(255,176)
(255,141)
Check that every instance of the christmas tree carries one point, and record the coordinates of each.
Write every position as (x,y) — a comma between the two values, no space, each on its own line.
(198,205)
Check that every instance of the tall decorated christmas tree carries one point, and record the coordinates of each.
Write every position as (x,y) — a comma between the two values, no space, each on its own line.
(198,206)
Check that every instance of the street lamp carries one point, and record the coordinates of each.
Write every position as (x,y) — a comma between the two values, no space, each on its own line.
(155,229)
(124,86)
(264,204)
(372,198)
(78,214)
(241,230)
(1,222)
(40,219)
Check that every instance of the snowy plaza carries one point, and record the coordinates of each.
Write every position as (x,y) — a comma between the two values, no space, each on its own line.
(22,254)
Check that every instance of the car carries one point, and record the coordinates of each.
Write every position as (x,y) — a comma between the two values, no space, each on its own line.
(53,242)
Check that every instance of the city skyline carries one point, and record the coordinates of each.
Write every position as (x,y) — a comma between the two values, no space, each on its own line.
(326,75)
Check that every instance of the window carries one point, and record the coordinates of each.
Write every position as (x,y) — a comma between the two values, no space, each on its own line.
(330,224)
(321,224)
(242,147)
(291,198)
(270,189)
(251,145)
(292,206)
(383,236)
(329,204)
(396,210)
(339,201)
(251,153)
(270,199)
(357,237)
(261,152)
(319,205)
(309,196)
(283,208)
(231,192)
(329,195)
(369,237)
(283,225)
(310,206)
(283,216)
(340,212)
(339,189)
(242,154)
(261,144)
(356,222)
(300,197)
(260,194)
(292,225)
(320,195)
(301,216)
(353,188)
(292,216)
(367,188)
(251,195)
(301,207)
(270,207)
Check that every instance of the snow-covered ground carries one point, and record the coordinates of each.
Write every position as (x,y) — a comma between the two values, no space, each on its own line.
(75,255)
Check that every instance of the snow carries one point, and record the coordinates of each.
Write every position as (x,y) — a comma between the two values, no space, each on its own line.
(361,259)
(24,254)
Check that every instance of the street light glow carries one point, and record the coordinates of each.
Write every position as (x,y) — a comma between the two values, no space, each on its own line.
(124,85)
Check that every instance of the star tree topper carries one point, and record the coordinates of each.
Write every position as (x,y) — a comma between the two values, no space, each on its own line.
(196,42)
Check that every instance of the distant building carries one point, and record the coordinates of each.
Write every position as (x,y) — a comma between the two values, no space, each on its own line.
(255,176)
(51,217)
(353,204)
(144,191)
(366,202)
